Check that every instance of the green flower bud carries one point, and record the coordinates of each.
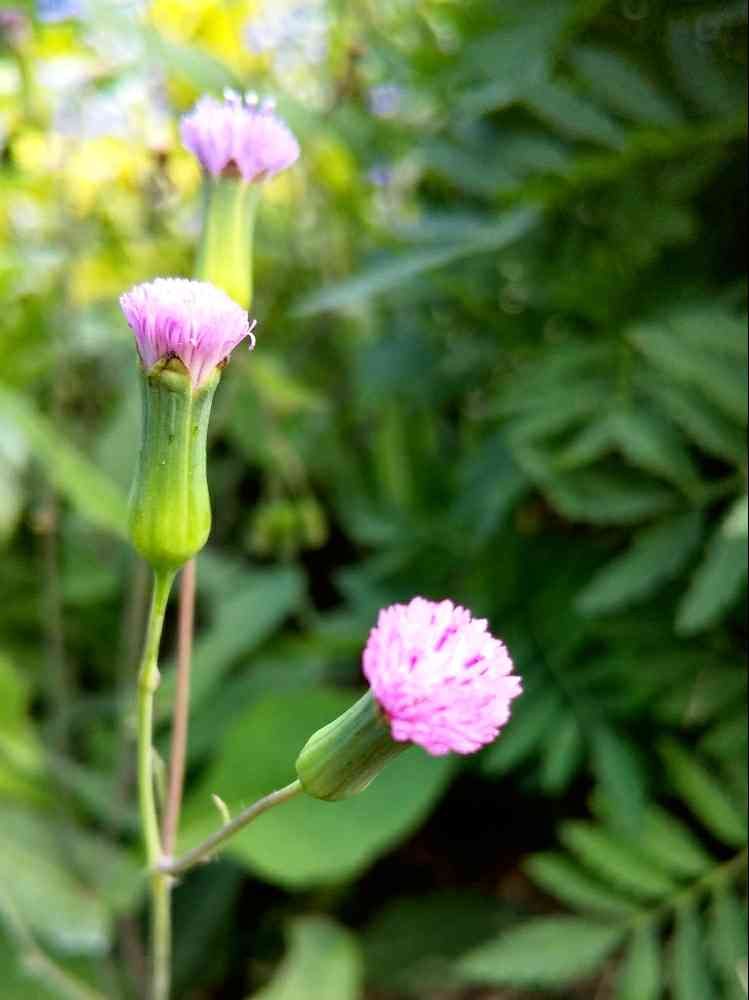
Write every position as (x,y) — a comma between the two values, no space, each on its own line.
(225,255)
(170,510)
(343,757)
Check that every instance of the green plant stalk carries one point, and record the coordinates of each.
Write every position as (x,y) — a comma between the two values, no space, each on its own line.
(225,253)
(148,681)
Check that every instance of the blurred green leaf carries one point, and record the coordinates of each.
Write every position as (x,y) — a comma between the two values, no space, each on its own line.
(718,581)
(639,977)
(690,976)
(323,960)
(623,86)
(562,878)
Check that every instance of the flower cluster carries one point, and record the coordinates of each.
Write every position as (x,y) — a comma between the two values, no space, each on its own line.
(239,134)
(191,320)
(441,679)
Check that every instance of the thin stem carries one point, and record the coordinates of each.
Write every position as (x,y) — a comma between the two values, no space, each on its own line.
(204,851)
(178,750)
(148,681)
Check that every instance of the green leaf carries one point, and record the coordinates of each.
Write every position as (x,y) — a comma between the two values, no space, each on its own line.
(573,115)
(620,776)
(403,267)
(546,951)
(35,871)
(704,795)
(639,975)
(653,444)
(561,756)
(605,498)
(700,74)
(526,730)
(690,979)
(88,489)
(657,554)
(562,878)
(307,842)
(623,86)
(727,938)
(323,960)
(717,582)
(616,860)
(672,845)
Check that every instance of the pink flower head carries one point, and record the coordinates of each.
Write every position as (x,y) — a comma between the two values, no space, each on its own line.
(240,133)
(440,677)
(191,320)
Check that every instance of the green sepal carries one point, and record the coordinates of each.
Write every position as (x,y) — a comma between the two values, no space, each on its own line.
(225,254)
(170,509)
(343,757)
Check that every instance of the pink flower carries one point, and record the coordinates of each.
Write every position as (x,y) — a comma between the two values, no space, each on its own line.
(191,320)
(440,677)
(239,133)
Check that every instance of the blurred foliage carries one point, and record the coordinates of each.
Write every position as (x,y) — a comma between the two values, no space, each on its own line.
(501,358)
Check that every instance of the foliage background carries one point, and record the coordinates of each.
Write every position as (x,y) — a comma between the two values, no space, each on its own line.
(501,357)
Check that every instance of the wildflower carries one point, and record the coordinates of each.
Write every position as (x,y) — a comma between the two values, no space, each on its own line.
(185,332)
(437,677)
(385,100)
(239,134)
(189,320)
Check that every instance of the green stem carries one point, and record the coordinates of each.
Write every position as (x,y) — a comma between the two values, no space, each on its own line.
(208,847)
(148,681)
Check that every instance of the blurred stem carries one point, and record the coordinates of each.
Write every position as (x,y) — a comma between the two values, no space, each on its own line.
(178,750)
(204,851)
(148,681)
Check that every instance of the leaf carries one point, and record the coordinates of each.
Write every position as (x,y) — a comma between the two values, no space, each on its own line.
(699,73)
(616,860)
(307,842)
(323,960)
(573,115)
(35,871)
(623,86)
(727,938)
(690,978)
(672,845)
(527,728)
(639,975)
(545,951)
(620,776)
(718,580)
(703,794)
(657,554)
(562,752)
(88,489)
(402,267)
(562,878)
(653,444)
(606,498)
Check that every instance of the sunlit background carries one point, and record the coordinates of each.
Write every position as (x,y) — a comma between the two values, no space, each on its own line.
(501,358)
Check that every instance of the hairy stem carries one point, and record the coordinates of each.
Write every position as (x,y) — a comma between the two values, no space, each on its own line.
(178,749)
(148,681)
(209,846)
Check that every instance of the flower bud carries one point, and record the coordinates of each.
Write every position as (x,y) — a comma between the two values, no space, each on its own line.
(343,757)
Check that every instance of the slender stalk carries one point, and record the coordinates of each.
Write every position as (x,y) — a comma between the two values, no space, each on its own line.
(148,681)
(178,750)
(203,851)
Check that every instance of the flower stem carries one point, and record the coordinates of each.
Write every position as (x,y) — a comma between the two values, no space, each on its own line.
(148,681)
(203,851)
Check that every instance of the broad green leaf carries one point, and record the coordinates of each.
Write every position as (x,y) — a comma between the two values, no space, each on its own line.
(640,975)
(245,618)
(404,266)
(562,878)
(605,498)
(35,871)
(545,951)
(717,582)
(623,86)
(616,860)
(573,115)
(323,960)
(656,555)
(18,982)
(704,795)
(88,489)
(621,777)
(727,936)
(690,976)
(307,842)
